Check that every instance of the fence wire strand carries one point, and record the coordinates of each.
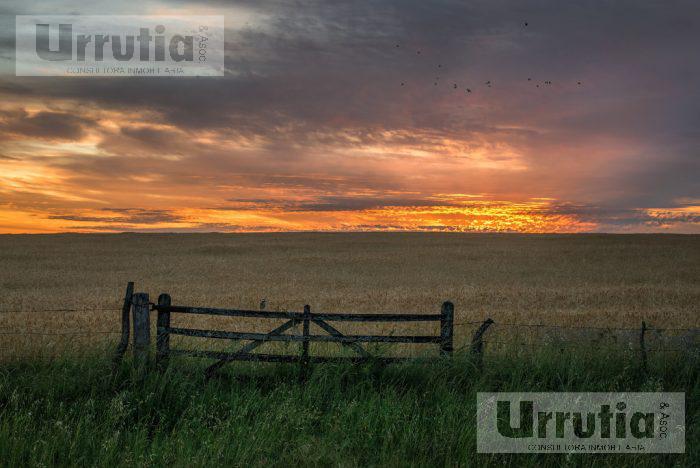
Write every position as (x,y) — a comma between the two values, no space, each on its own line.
(68,333)
(569,344)
(565,327)
(39,311)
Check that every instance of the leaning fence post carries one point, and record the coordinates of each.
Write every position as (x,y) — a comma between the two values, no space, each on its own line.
(162,334)
(478,342)
(642,346)
(124,340)
(447,314)
(142,328)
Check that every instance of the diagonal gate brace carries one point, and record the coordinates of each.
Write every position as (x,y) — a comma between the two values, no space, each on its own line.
(334,332)
(250,346)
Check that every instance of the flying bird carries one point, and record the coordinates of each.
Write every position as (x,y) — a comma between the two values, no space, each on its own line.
(525,23)
(488,83)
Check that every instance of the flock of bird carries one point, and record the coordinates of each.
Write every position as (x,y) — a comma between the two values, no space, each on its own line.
(486,83)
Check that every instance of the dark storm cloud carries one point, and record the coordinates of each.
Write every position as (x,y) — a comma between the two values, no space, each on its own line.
(125,216)
(377,227)
(608,217)
(148,136)
(15,89)
(45,125)
(141,216)
(335,64)
(146,140)
(197,227)
(339,203)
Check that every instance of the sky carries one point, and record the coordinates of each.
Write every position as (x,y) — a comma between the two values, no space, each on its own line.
(355,116)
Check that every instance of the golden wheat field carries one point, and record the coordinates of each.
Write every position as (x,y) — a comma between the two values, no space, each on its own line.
(595,281)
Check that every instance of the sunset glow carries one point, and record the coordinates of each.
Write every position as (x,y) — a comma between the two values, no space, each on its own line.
(322,124)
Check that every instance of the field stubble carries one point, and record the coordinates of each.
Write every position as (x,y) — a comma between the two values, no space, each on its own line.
(567,280)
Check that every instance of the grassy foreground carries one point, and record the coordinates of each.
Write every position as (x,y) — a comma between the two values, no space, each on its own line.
(74,411)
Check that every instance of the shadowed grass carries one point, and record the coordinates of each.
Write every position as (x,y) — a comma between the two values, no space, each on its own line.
(74,411)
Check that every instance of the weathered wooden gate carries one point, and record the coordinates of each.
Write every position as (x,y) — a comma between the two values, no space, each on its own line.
(140,307)
(165,309)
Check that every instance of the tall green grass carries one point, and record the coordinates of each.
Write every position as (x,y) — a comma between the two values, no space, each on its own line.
(76,411)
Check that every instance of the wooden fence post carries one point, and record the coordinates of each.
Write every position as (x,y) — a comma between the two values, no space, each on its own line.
(162,335)
(124,340)
(305,343)
(477,347)
(642,346)
(142,328)
(447,314)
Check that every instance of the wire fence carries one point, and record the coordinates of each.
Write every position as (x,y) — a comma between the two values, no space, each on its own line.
(487,339)
(570,345)
(39,311)
(4,331)
(578,327)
